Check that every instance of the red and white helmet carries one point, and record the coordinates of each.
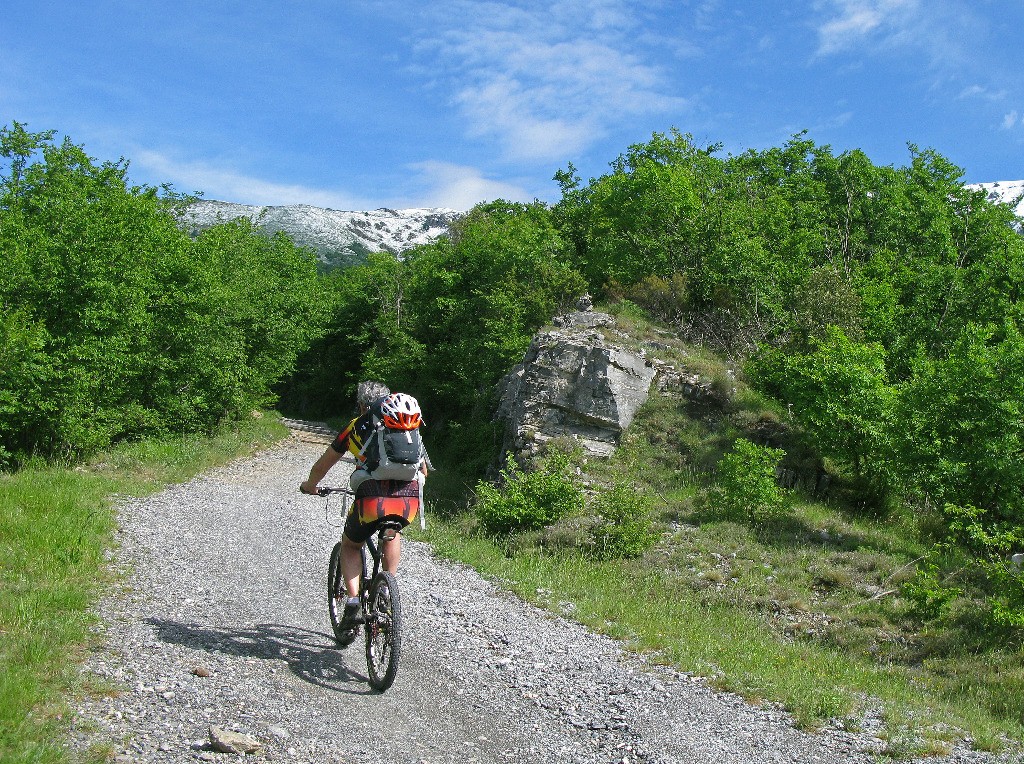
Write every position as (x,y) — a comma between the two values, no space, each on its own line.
(401,412)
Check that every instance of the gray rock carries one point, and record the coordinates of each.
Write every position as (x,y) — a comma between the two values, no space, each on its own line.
(227,741)
(583,319)
(573,383)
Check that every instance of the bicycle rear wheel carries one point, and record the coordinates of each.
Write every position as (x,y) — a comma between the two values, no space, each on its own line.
(383,631)
(336,596)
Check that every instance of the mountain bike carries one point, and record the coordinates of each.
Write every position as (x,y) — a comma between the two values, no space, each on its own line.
(380,605)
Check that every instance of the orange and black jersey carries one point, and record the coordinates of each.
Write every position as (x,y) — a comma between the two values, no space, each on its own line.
(355,433)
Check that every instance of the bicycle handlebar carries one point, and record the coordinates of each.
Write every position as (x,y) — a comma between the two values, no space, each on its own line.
(325,490)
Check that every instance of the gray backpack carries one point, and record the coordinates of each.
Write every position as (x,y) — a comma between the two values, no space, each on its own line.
(392,454)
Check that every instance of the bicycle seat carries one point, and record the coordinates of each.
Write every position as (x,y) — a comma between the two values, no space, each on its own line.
(389,529)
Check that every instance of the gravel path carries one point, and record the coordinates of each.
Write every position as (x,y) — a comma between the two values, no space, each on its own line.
(223,623)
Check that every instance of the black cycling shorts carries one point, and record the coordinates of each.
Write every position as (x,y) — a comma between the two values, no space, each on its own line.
(380,500)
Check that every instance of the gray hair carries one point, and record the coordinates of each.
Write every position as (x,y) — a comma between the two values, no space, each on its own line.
(369,391)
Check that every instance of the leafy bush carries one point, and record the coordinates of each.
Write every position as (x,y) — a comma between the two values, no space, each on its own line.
(928,592)
(624,522)
(528,500)
(629,310)
(960,428)
(990,546)
(664,298)
(972,565)
(746,485)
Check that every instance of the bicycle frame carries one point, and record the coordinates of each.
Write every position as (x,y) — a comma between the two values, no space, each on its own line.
(375,552)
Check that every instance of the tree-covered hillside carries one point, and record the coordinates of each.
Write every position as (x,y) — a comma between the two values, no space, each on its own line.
(114,323)
(874,315)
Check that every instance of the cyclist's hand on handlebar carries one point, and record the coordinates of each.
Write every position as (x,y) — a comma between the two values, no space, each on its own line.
(312,489)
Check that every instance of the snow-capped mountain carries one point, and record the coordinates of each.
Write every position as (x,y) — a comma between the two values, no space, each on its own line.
(342,238)
(1005,191)
(339,238)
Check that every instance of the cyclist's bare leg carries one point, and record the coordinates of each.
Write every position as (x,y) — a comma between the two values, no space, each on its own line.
(351,565)
(391,554)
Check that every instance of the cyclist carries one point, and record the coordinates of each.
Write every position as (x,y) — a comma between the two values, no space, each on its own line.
(393,500)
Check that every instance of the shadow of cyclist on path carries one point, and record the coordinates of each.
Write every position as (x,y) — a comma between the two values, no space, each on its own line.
(310,655)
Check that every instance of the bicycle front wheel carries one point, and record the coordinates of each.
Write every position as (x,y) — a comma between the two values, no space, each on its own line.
(383,631)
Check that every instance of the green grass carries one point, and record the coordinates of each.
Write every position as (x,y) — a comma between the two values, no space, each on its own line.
(737,649)
(56,524)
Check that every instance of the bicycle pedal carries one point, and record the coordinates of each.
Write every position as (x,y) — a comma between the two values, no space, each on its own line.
(388,534)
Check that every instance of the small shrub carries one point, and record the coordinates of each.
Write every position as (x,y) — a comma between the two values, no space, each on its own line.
(713,576)
(723,384)
(629,311)
(623,528)
(988,546)
(528,500)
(929,595)
(829,577)
(665,298)
(569,534)
(746,485)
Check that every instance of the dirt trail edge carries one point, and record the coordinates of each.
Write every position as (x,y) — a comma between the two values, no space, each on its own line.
(222,622)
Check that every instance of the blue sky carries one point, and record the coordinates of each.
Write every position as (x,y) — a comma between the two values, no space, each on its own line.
(369,103)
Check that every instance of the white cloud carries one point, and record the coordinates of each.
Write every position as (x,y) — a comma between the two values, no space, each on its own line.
(230,185)
(547,80)
(953,39)
(984,93)
(837,120)
(854,23)
(946,36)
(507,109)
(429,184)
(459,187)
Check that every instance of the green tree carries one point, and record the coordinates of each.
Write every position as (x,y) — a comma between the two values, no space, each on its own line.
(479,296)
(369,334)
(841,394)
(745,486)
(117,324)
(962,424)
